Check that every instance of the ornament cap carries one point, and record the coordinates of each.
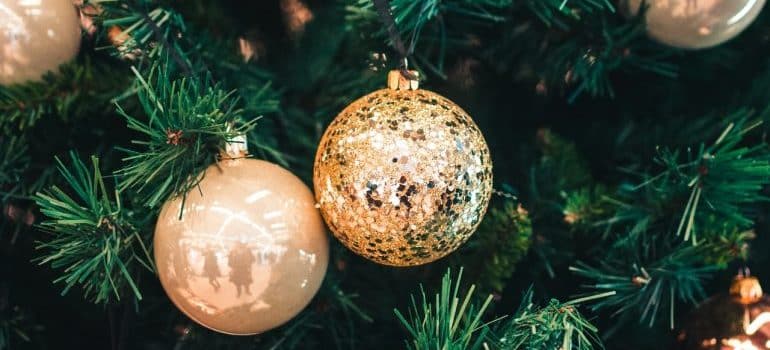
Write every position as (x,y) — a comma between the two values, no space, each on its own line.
(397,80)
(746,289)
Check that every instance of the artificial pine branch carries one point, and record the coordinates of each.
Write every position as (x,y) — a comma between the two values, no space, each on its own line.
(449,321)
(135,28)
(560,13)
(188,122)
(95,241)
(574,55)
(426,22)
(648,288)
(13,163)
(655,259)
(555,326)
(80,87)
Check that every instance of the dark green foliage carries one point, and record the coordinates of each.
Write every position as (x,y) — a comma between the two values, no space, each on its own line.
(71,93)
(586,206)
(560,13)
(648,287)
(15,329)
(95,241)
(676,227)
(425,21)
(501,241)
(13,161)
(558,158)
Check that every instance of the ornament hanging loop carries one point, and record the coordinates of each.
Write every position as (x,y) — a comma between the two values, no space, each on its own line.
(746,288)
(236,146)
(397,80)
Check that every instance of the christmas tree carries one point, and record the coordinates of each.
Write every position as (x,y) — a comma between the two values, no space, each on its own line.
(534,174)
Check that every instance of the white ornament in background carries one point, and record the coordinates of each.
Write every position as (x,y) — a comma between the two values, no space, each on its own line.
(696,24)
(36,36)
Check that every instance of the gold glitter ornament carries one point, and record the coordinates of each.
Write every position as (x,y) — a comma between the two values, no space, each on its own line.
(249,251)
(403,176)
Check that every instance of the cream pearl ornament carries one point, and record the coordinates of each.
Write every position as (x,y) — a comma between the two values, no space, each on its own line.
(249,251)
(36,36)
(695,24)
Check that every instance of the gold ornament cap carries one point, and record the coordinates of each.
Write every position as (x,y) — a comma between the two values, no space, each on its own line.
(398,81)
(746,289)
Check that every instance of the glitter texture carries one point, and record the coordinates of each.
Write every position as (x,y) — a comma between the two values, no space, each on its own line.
(403,177)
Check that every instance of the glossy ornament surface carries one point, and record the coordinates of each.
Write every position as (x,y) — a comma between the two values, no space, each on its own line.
(36,36)
(696,24)
(249,252)
(736,321)
(403,176)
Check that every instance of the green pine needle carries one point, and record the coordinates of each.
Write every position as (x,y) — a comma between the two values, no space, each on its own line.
(555,326)
(446,322)
(94,242)
(648,290)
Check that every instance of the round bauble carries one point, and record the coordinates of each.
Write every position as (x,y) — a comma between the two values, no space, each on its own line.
(36,37)
(695,24)
(738,320)
(403,176)
(249,251)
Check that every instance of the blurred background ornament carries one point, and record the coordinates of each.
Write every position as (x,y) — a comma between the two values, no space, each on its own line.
(739,320)
(36,37)
(248,251)
(403,176)
(695,24)
(296,15)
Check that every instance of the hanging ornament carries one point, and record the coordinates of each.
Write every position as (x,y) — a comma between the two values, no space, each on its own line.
(36,37)
(698,24)
(739,320)
(249,251)
(402,175)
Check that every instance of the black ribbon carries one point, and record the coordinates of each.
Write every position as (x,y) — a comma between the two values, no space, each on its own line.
(383,9)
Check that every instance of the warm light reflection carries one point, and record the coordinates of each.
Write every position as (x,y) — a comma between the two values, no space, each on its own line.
(760,321)
(738,344)
(743,12)
(252,198)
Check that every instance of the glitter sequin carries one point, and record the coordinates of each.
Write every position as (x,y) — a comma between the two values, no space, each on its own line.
(403,177)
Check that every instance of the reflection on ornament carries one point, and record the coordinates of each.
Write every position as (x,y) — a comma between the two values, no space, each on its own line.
(694,24)
(403,176)
(736,344)
(758,323)
(249,251)
(36,37)
(738,321)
